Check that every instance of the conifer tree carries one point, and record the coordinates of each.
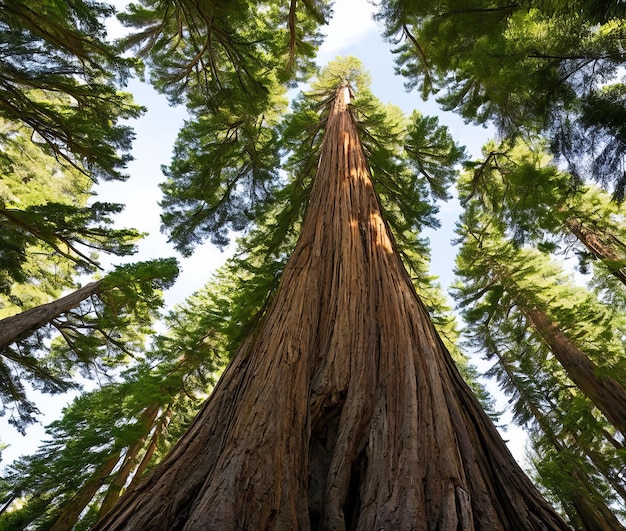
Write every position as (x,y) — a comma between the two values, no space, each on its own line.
(60,80)
(582,334)
(201,333)
(539,205)
(99,326)
(534,66)
(577,463)
(512,299)
(61,131)
(341,397)
(112,435)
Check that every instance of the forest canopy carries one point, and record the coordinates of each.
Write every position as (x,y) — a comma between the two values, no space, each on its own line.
(538,300)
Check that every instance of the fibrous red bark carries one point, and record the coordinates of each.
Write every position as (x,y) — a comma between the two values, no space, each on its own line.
(344,410)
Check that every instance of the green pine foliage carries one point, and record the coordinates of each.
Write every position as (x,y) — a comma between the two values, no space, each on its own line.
(539,204)
(576,453)
(51,227)
(175,377)
(61,130)
(59,79)
(230,64)
(109,328)
(526,67)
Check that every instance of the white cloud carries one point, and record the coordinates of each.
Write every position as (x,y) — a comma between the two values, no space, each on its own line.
(351,21)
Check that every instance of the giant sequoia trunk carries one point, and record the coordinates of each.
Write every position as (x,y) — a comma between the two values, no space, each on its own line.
(344,410)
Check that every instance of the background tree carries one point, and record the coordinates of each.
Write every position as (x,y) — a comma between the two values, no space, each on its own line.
(582,334)
(59,79)
(539,205)
(502,290)
(567,439)
(60,132)
(229,63)
(51,227)
(99,326)
(532,66)
(109,437)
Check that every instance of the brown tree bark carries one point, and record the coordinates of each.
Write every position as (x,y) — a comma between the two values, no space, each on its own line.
(23,324)
(607,394)
(605,252)
(344,410)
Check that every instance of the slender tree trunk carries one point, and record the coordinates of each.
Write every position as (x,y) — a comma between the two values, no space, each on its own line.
(611,474)
(152,446)
(344,410)
(70,511)
(612,440)
(594,514)
(596,244)
(23,324)
(148,417)
(608,395)
(8,503)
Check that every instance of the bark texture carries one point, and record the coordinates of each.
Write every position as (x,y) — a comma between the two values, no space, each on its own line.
(23,324)
(603,247)
(608,395)
(344,410)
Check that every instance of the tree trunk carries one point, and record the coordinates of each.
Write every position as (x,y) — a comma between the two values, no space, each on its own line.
(590,509)
(152,446)
(594,514)
(7,503)
(344,410)
(70,510)
(24,324)
(607,394)
(148,417)
(597,246)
